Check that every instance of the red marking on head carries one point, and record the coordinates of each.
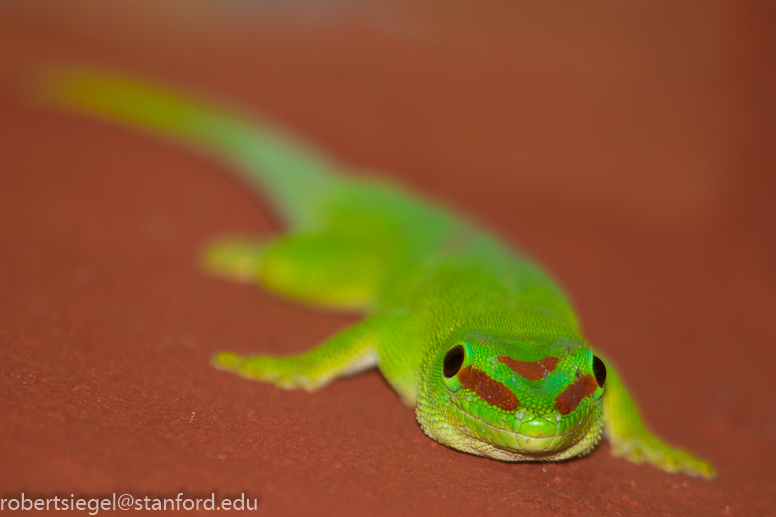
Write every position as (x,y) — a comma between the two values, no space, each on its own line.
(492,392)
(531,371)
(568,401)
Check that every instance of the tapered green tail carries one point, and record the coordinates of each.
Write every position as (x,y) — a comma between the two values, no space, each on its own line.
(295,178)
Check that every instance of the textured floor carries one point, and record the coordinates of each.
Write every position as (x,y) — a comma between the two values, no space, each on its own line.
(629,147)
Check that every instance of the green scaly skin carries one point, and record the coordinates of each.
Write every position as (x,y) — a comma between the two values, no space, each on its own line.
(478,338)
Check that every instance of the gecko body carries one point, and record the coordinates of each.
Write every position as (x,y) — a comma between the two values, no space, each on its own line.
(478,338)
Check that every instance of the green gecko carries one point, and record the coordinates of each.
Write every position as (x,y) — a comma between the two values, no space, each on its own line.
(481,341)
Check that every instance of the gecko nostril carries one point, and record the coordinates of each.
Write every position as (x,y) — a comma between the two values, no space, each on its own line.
(453,361)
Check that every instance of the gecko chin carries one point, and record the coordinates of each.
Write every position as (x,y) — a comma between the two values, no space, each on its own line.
(526,437)
(518,436)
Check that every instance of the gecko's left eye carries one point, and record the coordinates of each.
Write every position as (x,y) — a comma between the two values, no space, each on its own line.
(453,361)
(599,370)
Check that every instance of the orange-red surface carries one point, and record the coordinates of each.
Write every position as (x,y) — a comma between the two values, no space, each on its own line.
(630,147)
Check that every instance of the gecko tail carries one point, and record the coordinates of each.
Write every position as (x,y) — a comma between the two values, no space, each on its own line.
(296,179)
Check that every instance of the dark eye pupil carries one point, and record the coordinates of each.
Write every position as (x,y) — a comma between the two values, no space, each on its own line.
(453,361)
(599,370)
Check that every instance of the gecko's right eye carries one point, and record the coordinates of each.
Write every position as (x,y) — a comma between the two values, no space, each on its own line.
(453,361)
(599,370)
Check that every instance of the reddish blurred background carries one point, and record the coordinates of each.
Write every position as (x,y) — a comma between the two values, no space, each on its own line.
(630,147)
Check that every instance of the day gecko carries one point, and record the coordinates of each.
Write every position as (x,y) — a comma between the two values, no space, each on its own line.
(479,339)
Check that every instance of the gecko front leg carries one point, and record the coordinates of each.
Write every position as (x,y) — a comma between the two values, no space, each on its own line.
(351,351)
(630,438)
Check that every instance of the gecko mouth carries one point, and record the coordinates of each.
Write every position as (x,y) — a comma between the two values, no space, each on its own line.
(521,445)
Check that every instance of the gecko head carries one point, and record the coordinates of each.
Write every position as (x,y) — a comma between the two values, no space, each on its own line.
(513,398)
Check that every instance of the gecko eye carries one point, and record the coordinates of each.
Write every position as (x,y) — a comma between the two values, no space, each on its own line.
(453,361)
(599,370)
